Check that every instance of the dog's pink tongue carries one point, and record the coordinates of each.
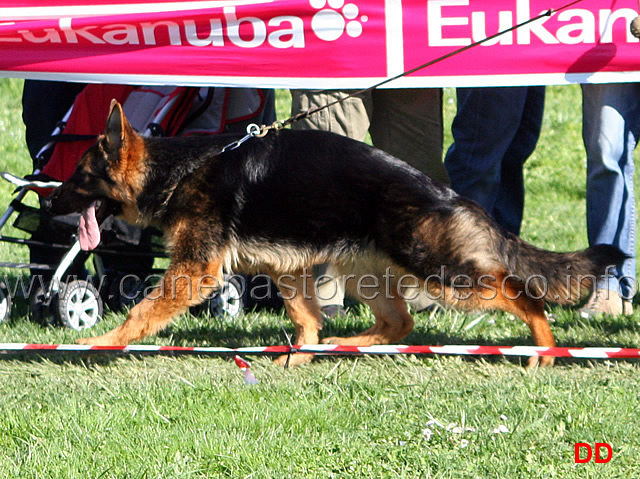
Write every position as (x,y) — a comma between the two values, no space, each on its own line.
(89,231)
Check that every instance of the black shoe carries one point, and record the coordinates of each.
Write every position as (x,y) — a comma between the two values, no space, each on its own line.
(331,311)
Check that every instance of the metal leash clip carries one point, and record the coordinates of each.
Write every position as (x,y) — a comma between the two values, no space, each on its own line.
(252,130)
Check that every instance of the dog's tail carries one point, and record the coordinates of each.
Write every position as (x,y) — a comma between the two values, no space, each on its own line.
(463,241)
(562,278)
(471,243)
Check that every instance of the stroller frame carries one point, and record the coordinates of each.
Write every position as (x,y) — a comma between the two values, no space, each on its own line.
(77,303)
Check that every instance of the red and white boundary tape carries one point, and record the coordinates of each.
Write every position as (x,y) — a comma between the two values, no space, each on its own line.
(327,349)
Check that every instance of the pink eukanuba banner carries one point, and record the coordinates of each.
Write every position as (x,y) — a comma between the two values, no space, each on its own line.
(319,43)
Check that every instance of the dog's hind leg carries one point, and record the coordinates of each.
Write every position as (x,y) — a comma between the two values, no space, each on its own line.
(393,321)
(299,300)
(531,312)
(507,294)
(181,286)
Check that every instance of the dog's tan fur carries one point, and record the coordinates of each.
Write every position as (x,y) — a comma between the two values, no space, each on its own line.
(255,209)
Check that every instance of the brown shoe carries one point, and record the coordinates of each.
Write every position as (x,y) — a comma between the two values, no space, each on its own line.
(604,301)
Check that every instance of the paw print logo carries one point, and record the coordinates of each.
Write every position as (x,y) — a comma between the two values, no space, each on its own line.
(334,18)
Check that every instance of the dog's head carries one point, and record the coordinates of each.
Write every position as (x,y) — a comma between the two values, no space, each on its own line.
(107,179)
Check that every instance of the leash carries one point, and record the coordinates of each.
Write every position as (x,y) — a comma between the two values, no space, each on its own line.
(253,130)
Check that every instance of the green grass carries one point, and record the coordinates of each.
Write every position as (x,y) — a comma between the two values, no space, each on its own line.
(362,417)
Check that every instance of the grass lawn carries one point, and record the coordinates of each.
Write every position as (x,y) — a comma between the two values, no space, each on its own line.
(361,417)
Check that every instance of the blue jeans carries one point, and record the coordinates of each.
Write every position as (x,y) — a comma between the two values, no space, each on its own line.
(611,124)
(495,130)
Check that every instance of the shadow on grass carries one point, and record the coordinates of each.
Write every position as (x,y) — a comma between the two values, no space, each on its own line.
(233,335)
(606,325)
(87,360)
(267,328)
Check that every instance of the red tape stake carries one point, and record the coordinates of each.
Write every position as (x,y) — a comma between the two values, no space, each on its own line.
(245,367)
(327,349)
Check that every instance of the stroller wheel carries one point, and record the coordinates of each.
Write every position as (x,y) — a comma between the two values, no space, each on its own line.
(228,301)
(79,305)
(43,311)
(5,303)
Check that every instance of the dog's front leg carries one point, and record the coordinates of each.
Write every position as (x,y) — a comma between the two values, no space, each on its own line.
(181,287)
(298,293)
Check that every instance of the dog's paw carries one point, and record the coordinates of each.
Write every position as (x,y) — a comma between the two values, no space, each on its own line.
(540,361)
(95,341)
(350,341)
(297,359)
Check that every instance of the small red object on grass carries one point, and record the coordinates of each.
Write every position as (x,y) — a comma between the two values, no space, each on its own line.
(245,367)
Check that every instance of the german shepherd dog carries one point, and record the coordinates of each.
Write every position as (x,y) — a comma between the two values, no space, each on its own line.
(292,199)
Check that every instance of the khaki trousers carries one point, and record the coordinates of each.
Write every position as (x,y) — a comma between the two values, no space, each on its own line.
(406,123)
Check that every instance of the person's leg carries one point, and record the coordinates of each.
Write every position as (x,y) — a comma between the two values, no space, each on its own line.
(267,115)
(44,104)
(407,123)
(611,114)
(484,128)
(350,118)
(509,205)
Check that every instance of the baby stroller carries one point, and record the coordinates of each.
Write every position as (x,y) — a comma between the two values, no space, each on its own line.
(63,292)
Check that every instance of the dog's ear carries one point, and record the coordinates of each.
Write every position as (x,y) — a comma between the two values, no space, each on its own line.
(118,129)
